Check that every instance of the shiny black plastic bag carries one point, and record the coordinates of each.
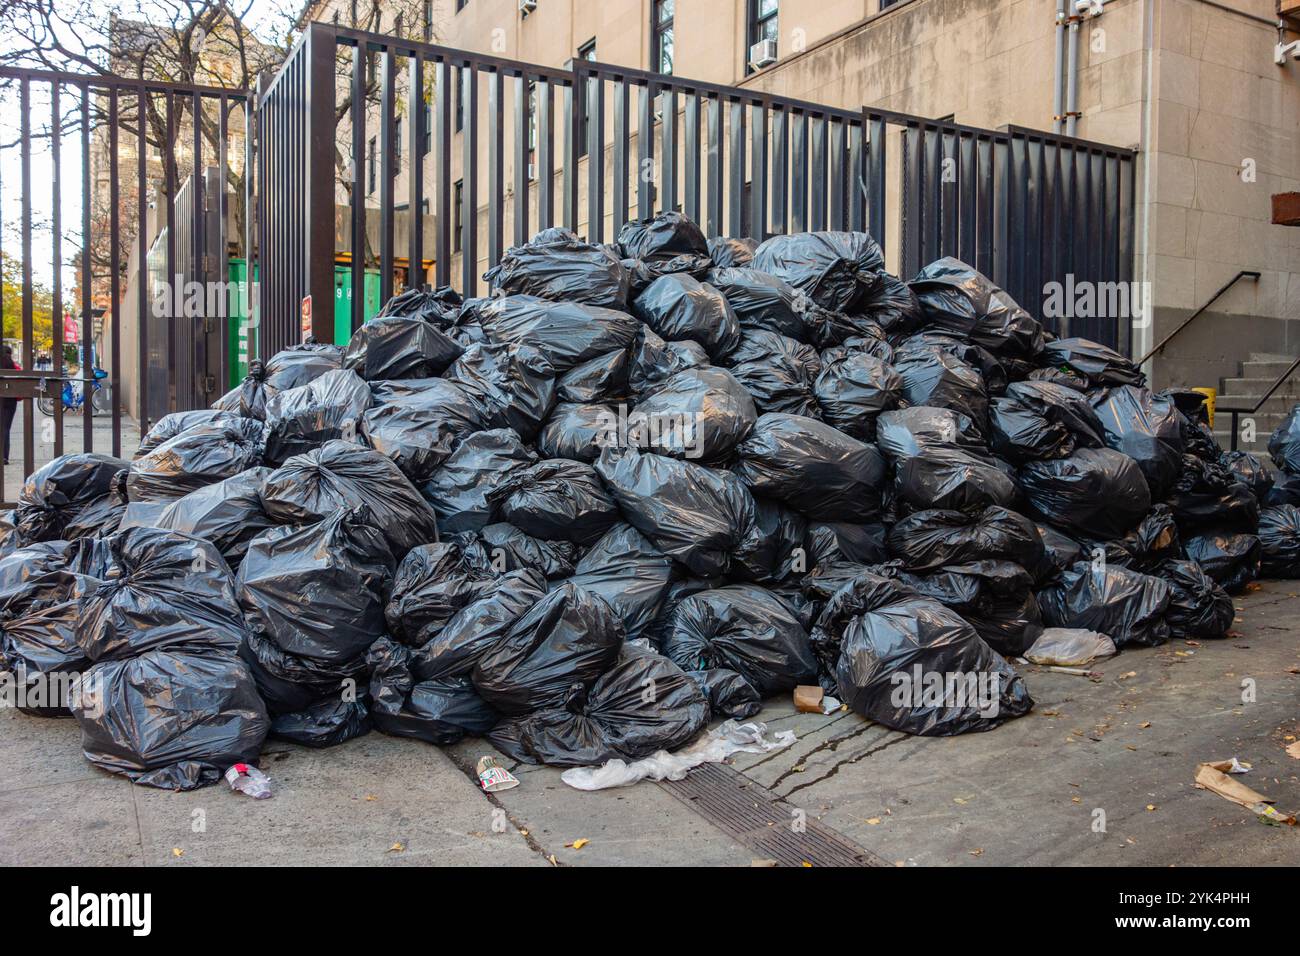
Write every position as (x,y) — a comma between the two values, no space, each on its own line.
(319,591)
(1198,607)
(630,573)
(678,306)
(743,628)
(173,423)
(309,692)
(557,499)
(1250,471)
(566,333)
(615,718)
(837,270)
(440,306)
(603,378)
(300,365)
(938,379)
(994,597)
(229,513)
(1285,491)
(563,270)
(1035,421)
(478,627)
(247,399)
(461,491)
(1206,494)
(419,422)
(700,413)
(397,347)
(326,722)
(509,549)
(301,419)
(170,718)
(778,372)
(1284,443)
(1098,492)
(728,694)
(1127,606)
(831,541)
(199,456)
(1099,364)
(957,298)
(816,469)
(32,574)
(433,583)
(570,637)
(514,385)
(440,711)
(652,361)
(698,516)
(779,549)
(1230,558)
(854,387)
(666,242)
(728,253)
(341,475)
(577,431)
(1148,429)
(762,302)
(1279,539)
(929,540)
(56,494)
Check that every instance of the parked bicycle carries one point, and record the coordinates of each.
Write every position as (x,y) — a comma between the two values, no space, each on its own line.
(73,395)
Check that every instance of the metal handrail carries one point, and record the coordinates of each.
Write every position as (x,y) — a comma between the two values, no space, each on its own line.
(1188,321)
(1238,410)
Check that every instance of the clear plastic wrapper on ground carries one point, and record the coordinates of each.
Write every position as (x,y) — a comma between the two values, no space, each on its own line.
(630,573)
(1096,491)
(1279,539)
(744,628)
(394,347)
(957,298)
(614,718)
(514,385)
(678,306)
(778,372)
(813,467)
(461,491)
(1069,647)
(209,717)
(570,637)
(1198,607)
(301,419)
(557,499)
(1231,558)
(1041,420)
(700,413)
(339,475)
(55,494)
(565,270)
(418,423)
(1125,605)
(319,591)
(698,516)
(566,333)
(837,270)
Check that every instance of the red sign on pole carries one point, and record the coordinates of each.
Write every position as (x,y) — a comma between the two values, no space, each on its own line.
(306,317)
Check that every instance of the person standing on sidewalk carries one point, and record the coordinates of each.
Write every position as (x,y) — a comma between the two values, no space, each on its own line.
(8,406)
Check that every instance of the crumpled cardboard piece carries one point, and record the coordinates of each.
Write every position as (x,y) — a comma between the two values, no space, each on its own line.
(1214,777)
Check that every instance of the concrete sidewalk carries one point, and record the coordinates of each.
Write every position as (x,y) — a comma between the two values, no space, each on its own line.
(1027,792)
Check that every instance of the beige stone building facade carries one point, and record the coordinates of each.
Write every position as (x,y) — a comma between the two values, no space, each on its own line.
(1192,85)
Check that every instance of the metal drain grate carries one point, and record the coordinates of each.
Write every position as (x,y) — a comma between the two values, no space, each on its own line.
(757,818)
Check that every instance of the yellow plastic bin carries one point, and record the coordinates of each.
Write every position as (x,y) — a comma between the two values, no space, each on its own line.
(1210,396)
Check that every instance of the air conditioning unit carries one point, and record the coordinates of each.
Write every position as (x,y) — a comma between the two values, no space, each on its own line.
(526,7)
(762,53)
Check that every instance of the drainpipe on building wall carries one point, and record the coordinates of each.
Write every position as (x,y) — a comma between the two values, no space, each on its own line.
(1058,92)
(1072,80)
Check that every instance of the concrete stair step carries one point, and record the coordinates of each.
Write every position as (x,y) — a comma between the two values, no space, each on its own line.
(1268,370)
(1260,385)
(1272,357)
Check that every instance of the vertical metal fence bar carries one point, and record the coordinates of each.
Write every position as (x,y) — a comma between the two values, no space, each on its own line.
(817,178)
(170,272)
(985,222)
(358,189)
(469,183)
(143,296)
(523,119)
(193,340)
(223,242)
(496,168)
(736,170)
(855,195)
(415,177)
(931,157)
(645,149)
(571,132)
(713,197)
(545,155)
(950,192)
(758,160)
(691,157)
(443,108)
(875,177)
(668,160)
(595,91)
(838,211)
(56,260)
(799,172)
(966,198)
(622,159)
(115,273)
(87,364)
(387,172)
(780,171)
(25,225)
(913,209)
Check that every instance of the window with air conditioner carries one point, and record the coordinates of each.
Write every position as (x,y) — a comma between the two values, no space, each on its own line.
(762,34)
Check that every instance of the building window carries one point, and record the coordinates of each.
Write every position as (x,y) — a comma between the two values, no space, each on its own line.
(585,52)
(661,31)
(762,25)
(372,166)
(457,215)
(461,5)
(428,21)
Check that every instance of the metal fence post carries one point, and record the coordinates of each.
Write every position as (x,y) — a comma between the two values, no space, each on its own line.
(318,190)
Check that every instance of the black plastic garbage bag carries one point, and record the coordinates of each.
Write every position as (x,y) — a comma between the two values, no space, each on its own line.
(696,515)
(652,361)
(1250,471)
(310,689)
(838,270)
(929,540)
(615,718)
(994,597)
(931,342)
(728,694)
(461,491)
(1148,429)
(170,718)
(941,380)
(700,413)
(440,306)
(1279,539)
(570,637)
(169,590)
(914,431)
(509,549)
(743,628)
(678,306)
(300,365)
(762,302)
(1232,559)
(945,477)
(32,574)
(780,546)
(1206,494)
(830,541)
(1061,550)
(173,423)
(319,591)
(1198,607)
(778,372)
(301,419)
(727,252)
(1127,606)
(435,582)
(39,650)
(912,664)
(197,457)
(1042,420)
(514,385)
(229,513)
(1097,363)
(57,493)
(603,378)
(1284,444)
(564,270)
(814,468)
(1285,491)
(1097,492)
(630,573)
(955,297)
(478,627)
(566,333)
(438,711)
(578,432)
(854,387)
(1154,540)
(419,422)
(247,399)
(398,347)
(669,242)
(892,305)
(326,722)
(340,475)
(557,499)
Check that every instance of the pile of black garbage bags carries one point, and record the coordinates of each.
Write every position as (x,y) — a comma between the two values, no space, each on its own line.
(638,487)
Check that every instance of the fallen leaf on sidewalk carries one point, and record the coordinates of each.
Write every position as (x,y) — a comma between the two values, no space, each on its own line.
(578,844)
(177,851)
(396,848)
